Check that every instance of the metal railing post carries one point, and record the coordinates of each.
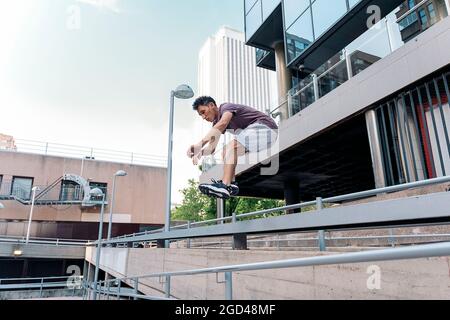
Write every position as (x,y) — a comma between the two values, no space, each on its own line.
(321,233)
(167,287)
(316,87)
(348,63)
(118,289)
(40,289)
(188,242)
(228,285)
(136,285)
(109,290)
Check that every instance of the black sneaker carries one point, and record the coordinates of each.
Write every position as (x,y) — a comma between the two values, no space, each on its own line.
(232,188)
(217,190)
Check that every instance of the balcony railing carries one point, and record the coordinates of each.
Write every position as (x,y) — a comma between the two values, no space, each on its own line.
(375,44)
(88,153)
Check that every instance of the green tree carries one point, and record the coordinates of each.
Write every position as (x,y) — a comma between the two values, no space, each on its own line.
(198,207)
(195,206)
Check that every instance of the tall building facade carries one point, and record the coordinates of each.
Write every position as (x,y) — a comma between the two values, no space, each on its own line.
(227,71)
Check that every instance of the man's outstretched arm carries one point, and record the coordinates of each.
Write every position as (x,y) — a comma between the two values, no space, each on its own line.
(212,137)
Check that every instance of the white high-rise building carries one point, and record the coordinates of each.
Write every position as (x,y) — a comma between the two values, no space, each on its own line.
(227,72)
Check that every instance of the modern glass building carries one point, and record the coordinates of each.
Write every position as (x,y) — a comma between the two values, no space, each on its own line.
(363,90)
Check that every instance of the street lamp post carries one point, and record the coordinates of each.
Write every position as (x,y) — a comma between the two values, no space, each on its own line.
(119,173)
(181,92)
(98,192)
(31,213)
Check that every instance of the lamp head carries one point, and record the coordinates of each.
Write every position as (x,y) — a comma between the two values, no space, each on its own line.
(183,92)
(96,192)
(120,173)
(2,206)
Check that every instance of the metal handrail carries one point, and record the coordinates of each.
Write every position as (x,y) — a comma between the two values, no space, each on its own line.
(55,242)
(331,68)
(41,238)
(382,237)
(38,278)
(342,198)
(302,89)
(57,149)
(400,253)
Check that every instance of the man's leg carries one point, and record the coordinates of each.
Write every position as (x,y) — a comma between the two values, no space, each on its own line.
(232,151)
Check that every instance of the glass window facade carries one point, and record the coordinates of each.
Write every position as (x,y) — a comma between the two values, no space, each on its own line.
(253,20)
(256,12)
(306,20)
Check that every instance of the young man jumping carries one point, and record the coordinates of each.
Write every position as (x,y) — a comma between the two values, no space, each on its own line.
(253,131)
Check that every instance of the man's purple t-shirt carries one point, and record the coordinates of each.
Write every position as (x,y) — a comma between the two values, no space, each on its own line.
(243,116)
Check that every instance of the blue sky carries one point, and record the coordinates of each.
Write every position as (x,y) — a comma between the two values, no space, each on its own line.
(106,83)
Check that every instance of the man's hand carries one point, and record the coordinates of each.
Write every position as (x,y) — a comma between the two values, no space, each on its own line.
(194,150)
(196,158)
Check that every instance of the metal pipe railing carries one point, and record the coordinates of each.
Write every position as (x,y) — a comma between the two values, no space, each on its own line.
(56,242)
(70,282)
(342,198)
(402,253)
(57,149)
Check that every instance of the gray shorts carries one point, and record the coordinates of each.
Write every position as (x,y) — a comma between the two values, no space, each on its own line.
(257,137)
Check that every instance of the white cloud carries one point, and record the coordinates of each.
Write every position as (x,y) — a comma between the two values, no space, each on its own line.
(112,5)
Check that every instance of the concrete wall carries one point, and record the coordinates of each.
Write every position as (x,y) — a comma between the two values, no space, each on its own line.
(411,279)
(139,196)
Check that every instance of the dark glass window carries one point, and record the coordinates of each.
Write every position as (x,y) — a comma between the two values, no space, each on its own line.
(70,191)
(299,36)
(21,187)
(423,17)
(432,13)
(411,4)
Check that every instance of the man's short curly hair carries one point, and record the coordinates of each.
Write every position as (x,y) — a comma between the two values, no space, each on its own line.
(202,101)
